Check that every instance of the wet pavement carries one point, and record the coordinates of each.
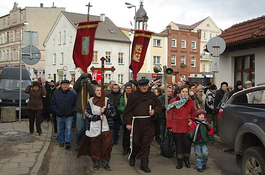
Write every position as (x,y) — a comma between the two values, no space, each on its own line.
(21,152)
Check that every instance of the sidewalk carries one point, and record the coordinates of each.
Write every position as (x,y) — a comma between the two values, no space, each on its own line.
(21,152)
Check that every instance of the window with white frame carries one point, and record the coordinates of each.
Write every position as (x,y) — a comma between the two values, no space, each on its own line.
(183,60)
(62,58)
(193,62)
(14,35)
(173,43)
(54,59)
(120,78)
(120,58)
(157,42)
(173,60)
(183,43)
(204,35)
(107,78)
(64,37)
(95,57)
(156,59)
(108,57)
(193,45)
(60,38)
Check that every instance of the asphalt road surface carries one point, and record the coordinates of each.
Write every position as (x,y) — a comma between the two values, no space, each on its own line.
(59,161)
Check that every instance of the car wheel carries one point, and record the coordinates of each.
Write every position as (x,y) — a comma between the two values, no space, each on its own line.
(253,161)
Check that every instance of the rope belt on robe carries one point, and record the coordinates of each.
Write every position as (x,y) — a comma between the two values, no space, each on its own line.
(131,134)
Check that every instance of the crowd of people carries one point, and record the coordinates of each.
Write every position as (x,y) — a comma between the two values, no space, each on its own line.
(142,112)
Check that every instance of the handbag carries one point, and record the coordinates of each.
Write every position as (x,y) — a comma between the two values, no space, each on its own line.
(168,146)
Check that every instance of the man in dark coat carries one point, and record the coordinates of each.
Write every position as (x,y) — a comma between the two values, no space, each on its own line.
(140,113)
(45,114)
(63,103)
(114,97)
(82,84)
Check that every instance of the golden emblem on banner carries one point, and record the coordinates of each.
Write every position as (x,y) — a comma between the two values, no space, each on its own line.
(137,52)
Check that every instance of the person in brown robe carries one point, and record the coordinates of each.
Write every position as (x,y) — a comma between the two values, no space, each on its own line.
(97,142)
(140,113)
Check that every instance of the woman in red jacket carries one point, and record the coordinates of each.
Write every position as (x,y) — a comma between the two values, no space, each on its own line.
(180,111)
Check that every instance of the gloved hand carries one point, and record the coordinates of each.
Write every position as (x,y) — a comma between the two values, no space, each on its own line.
(84,75)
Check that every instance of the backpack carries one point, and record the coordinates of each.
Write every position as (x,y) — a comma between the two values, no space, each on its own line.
(168,146)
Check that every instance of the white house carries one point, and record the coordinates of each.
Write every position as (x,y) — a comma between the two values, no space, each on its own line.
(244,56)
(110,43)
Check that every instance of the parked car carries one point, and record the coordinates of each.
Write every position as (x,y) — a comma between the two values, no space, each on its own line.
(242,128)
(10,87)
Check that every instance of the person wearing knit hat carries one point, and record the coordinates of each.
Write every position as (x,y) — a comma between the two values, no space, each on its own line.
(128,84)
(202,133)
(242,98)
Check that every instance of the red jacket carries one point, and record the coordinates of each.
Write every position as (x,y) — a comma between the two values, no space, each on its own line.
(177,119)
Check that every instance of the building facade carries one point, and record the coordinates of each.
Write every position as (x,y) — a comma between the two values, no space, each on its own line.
(183,53)
(110,43)
(12,26)
(244,55)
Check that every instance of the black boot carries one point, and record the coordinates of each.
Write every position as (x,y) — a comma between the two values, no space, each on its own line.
(179,165)
(144,166)
(132,160)
(187,161)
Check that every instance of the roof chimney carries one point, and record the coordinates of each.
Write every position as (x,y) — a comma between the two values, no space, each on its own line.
(102,17)
(41,5)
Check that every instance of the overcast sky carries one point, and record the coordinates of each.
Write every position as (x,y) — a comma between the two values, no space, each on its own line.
(224,13)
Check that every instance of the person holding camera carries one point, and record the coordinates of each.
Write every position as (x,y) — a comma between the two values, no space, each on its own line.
(35,105)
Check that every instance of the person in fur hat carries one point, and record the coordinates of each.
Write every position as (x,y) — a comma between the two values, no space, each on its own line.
(202,133)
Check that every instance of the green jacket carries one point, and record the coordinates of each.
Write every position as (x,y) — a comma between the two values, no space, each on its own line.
(204,134)
(122,106)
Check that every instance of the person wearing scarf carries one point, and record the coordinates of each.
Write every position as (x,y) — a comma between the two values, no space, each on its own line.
(97,142)
(202,134)
(180,111)
(126,132)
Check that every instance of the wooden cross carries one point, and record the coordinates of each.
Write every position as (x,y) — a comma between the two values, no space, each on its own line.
(102,69)
(88,8)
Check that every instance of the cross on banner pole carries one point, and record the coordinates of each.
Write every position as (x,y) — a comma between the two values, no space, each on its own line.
(102,69)
(88,8)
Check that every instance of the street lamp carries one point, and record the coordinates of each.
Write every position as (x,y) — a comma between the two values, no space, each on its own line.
(129,5)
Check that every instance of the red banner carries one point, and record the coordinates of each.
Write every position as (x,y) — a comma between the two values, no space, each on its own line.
(84,44)
(139,48)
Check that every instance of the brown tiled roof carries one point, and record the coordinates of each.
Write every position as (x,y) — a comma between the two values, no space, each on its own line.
(187,27)
(246,31)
